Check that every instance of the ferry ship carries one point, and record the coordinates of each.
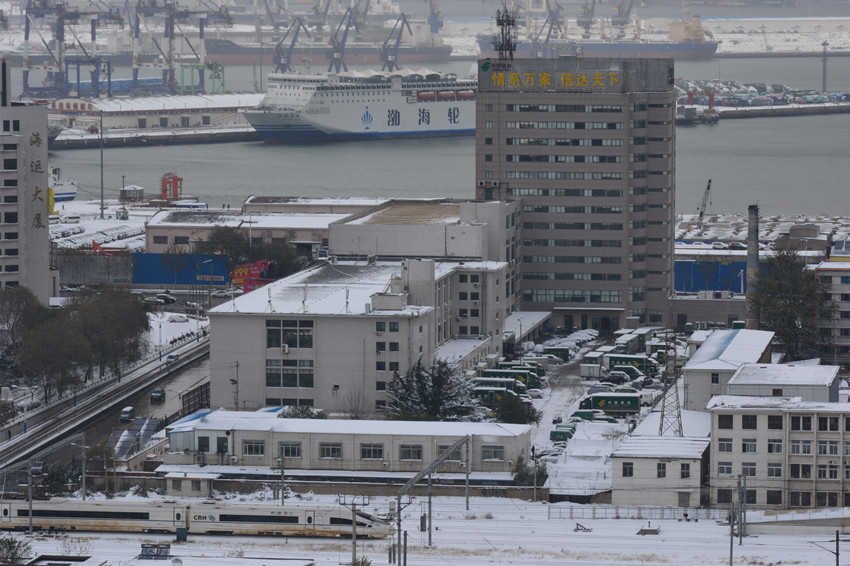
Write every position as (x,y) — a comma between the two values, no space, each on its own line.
(355,105)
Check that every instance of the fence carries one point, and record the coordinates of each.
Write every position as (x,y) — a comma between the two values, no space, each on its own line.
(622,512)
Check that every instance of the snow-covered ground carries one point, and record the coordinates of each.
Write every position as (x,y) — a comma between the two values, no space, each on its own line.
(492,531)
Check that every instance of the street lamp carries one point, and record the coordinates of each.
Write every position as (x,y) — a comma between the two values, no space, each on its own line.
(82,445)
(209,292)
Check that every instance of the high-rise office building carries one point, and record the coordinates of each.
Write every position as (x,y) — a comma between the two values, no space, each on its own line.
(24,231)
(588,146)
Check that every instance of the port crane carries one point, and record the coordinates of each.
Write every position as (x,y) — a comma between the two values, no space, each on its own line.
(283,58)
(435,17)
(336,54)
(552,24)
(621,19)
(172,13)
(703,205)
(584,19)
(62,15)
(389,50)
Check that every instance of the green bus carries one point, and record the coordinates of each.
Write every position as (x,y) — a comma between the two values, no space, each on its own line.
(612,403)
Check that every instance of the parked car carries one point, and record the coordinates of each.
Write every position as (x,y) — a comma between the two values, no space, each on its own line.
(158,395)
(178,318)
(154,300)
(535,393)
(616,377)
(126,414)
(171,358)
(221,294)
(166,298)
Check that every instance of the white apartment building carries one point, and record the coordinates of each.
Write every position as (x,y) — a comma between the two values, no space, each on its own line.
(250,441)
(333,336)
(25,257)
(709,369)
(835,332)
(793,453)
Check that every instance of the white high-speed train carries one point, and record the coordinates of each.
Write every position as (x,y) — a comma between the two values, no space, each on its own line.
(166,516)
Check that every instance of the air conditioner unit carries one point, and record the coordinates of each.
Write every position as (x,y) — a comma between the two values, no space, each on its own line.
(234,459)
(475,285)
(284,348)
(386,464)
(277,462)
(379,333)
(495,183)
(482,183)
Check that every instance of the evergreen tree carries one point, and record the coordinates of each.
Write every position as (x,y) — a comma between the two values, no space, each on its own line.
(433,394)
(789,300)
(513,410)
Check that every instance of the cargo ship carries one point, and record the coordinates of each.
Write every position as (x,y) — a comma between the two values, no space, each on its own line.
(687,40)
(356,105)
(229,52)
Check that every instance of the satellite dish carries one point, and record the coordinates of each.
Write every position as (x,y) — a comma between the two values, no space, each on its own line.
(176,562)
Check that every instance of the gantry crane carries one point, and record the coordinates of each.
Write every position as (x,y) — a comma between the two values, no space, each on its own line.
(389,50)
(621,19)
(61,15)
(703,205)
(552,24)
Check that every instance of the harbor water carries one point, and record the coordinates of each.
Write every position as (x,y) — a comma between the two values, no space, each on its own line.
(786,165)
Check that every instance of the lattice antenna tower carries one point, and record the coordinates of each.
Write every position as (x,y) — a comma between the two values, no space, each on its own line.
(504,42)
(671,406)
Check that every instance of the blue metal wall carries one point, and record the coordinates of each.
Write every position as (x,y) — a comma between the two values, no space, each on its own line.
(692,276)
(167,270)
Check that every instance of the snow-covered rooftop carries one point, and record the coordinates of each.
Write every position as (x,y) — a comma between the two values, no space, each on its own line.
(412,213)
(786,403)
(662,447)
(524,321)
(728,349)
(239,219)
(458,348)
(267,420)
(784,374)
(695,424)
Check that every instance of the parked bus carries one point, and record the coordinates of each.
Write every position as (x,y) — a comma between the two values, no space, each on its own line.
(612,403)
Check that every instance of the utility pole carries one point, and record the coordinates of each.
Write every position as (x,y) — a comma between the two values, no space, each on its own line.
(355,500)
(282,484)
(825,44)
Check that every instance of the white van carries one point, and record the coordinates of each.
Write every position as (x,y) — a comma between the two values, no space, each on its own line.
(126,414)
(70,219)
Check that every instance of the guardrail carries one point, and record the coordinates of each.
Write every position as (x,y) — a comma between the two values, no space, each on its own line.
(73,416)
(586,512)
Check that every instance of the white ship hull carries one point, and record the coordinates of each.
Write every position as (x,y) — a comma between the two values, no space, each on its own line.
(351,106)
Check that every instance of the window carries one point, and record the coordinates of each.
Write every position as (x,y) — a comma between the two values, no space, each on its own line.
(749,422)
(774,446)
(393,346)
(774,422)
(305,374)
(724,444)
(751,496)
(393,366)
(774,497)
(685,471)
(492,452)
(221,445)
(453,457)
(801,499)
(203,444)
(801,447)
(10,164)
(10,217)
(410,452)
(181,240)
(463,296)
(715,378)
(253,448)
(748,469)
(290,449)
(801,423)
(774,470)
(748,445)
(724,421)
(273,373)
(330,450)
(380,326)
(380,386)
(380,346)
(293,333)
(380,366)
(628,469)
(827,423)
(724,496)
(393,326)
(371,451)
(661,470)
(273,339)
(724,468)
(801,471)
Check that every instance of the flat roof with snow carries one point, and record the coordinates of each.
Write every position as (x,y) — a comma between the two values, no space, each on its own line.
(729,349)
(268,421)
(181,218)
(662,447)
(738,402)
(784,374)
(411,213)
